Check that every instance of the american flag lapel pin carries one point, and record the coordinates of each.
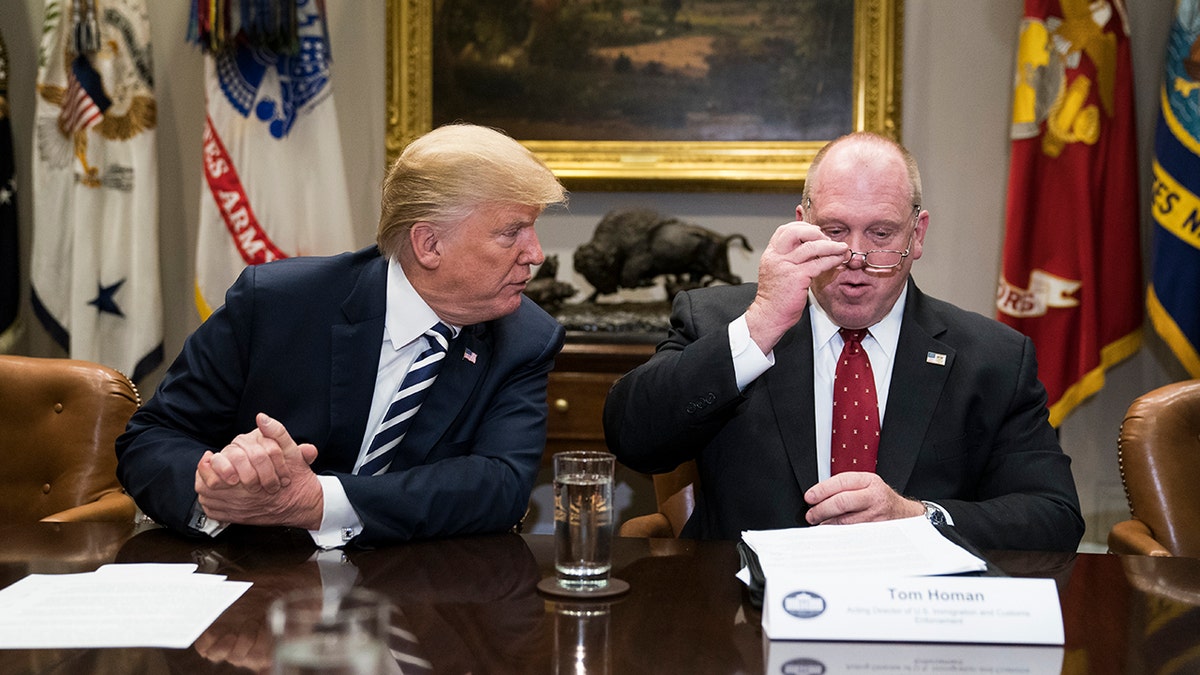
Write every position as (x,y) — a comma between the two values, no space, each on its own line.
(469,355)
(935,358)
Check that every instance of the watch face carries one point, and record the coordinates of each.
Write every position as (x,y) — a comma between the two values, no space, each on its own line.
(935,515)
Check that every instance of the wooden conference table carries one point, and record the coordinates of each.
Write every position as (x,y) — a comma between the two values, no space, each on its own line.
(473,605)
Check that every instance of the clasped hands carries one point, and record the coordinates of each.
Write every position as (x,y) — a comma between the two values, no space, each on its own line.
(261,478)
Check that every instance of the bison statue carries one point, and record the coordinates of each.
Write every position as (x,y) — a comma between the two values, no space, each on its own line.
(633,248)
(546,290)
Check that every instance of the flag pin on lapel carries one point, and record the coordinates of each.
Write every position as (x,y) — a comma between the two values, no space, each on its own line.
(469,355)
(935,359)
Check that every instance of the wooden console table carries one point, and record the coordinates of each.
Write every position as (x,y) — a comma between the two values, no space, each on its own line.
(583,373)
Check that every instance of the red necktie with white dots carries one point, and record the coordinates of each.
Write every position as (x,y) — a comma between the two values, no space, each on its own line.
(855,439)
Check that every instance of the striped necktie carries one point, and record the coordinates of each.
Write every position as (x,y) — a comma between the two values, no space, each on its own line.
(405,647)
(854,444)
(405,402)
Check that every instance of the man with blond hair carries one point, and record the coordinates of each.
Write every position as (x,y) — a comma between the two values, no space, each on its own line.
(393,393)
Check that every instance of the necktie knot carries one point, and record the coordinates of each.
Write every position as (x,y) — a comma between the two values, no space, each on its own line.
(439,336)
(853,336)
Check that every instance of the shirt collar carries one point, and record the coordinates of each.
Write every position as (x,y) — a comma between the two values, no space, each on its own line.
(886,332)
(408,316)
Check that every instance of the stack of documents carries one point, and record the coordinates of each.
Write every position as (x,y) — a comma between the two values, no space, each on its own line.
(904,547)
(120,605)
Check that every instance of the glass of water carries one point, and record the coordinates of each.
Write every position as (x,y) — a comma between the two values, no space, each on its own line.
(583,519)
(329,631)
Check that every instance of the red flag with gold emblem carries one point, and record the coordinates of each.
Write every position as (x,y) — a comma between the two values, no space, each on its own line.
(1071,278)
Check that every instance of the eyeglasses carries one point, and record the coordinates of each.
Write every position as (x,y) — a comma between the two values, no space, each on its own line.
(881,259)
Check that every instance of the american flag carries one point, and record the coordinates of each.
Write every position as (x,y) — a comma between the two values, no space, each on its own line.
(94,276)
(469,356)
(84,102)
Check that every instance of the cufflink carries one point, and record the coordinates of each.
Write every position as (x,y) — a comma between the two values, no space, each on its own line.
(198,518)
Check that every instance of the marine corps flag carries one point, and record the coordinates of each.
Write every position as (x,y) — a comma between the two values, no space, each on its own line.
(1173,300)
(1071,277)
(10,278)
(274,184)
(94,266)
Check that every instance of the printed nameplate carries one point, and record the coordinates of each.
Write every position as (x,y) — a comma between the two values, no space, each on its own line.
(999,610)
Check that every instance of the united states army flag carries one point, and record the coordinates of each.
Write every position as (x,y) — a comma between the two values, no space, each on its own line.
(94,266)
(274,184)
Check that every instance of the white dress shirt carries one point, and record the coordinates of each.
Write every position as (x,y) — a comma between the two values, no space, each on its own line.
(749,362)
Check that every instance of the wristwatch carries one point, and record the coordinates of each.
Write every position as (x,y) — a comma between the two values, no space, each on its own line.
(934,513)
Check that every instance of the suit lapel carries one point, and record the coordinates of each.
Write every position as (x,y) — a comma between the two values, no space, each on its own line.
(449,393)
(918,376)
(790,385)
(355,362)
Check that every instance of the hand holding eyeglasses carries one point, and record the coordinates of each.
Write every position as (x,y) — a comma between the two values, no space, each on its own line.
(797,253)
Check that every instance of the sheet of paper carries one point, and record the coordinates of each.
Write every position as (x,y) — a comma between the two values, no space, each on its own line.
(148,570)
(903,547)
(116,606)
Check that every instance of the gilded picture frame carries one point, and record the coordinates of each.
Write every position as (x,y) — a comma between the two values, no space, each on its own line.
(659,165)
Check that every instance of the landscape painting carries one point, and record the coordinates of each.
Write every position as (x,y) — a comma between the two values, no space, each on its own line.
(674,93)
(647,70)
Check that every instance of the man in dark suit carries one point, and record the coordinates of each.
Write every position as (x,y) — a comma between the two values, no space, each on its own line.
(291,404)
(745,383)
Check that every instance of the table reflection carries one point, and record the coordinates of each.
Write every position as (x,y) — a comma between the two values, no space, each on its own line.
(581,642)
(685,608)
(463,605)
(804,658)
(470,605)
(1165,613)
(471,602)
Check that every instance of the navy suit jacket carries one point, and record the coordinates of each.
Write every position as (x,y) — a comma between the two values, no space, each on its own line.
(971,434)
(300,340)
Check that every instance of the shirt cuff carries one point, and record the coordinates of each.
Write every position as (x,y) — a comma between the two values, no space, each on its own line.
(748,360)
(339,520)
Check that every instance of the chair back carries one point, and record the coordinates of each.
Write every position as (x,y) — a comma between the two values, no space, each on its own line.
(59,422)
(675,493)
(1158,451)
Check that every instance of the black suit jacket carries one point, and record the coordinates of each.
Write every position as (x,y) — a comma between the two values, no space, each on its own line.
(972,434)
(300,339)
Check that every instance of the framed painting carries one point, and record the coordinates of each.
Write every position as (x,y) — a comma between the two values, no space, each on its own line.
(650,94)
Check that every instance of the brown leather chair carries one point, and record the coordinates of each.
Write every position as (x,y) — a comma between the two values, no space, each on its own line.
(59,422)
(1158,450)
(675,494)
